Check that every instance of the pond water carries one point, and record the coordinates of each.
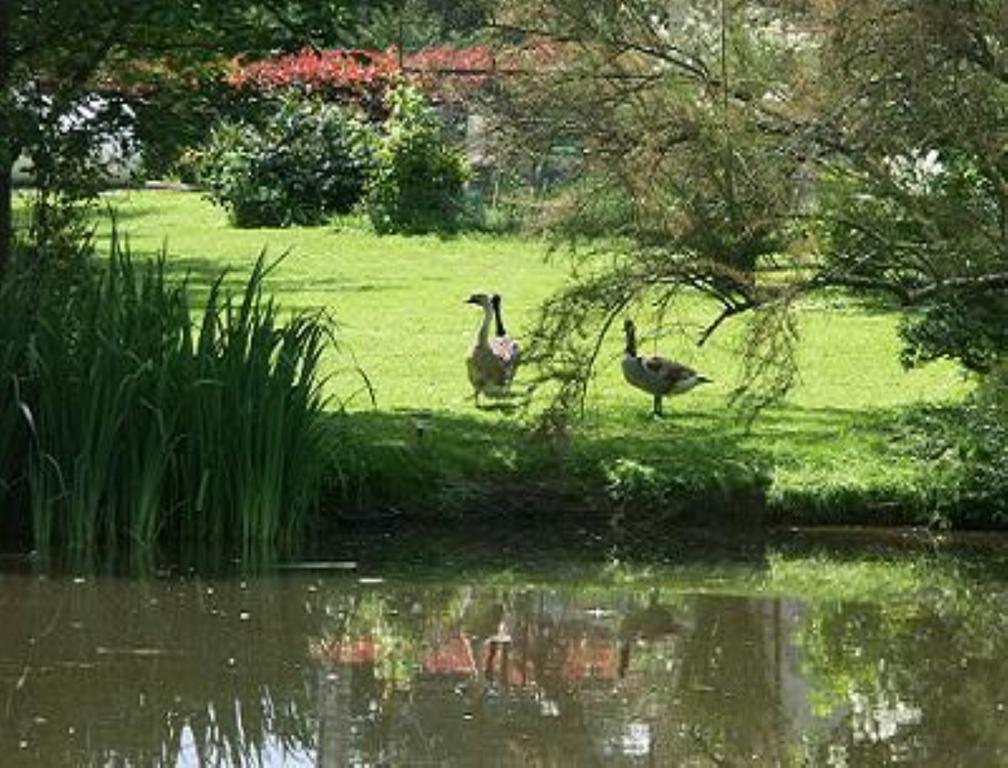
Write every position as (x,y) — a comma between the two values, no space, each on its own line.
(789,656)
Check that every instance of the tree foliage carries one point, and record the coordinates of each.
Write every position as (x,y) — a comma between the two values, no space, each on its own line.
(758,152)
(920,93)
(415,24)
(158,64)
(679,122)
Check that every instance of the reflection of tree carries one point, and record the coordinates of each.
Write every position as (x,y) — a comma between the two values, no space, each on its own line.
(727,703)
(112,671)
(536,675)
(920,682)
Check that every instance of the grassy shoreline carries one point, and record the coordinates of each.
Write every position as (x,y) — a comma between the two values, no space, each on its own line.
(835,451)
(604,481)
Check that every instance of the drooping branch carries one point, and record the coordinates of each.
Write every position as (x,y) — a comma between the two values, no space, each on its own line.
(730,310)
(909,295)
(602,334)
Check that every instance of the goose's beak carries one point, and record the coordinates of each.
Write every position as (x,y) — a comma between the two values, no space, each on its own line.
(704,380)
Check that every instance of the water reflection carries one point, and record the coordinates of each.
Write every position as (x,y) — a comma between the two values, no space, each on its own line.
(320,668)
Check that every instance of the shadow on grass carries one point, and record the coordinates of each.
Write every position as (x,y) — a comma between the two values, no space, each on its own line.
(125,213)
(423,484)
(626,471)
(433,485)
(287,288)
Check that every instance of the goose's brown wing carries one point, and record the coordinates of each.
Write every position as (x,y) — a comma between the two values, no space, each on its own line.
(667,370)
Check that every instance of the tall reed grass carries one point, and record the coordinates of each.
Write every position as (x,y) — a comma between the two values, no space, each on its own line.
(129,421)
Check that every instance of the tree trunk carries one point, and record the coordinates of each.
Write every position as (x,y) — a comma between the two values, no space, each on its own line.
(6,197)
(6,144)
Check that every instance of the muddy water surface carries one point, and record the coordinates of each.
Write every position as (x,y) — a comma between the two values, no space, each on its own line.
(791,659)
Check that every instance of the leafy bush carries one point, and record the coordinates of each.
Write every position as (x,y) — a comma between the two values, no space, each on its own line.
(983,449)
(965,447)
(128,423)
(417,182)
(305,162)
(974,332)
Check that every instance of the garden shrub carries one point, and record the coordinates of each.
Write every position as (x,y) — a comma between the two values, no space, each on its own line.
(983,452)
(965,446)
(304,162)
(417,182)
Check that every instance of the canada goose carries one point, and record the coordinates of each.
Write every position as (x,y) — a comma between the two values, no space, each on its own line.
(503,345)
(490,370)
(656,375)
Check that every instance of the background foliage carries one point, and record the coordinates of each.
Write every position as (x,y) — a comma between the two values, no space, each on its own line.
(304,162)
(761,152)
(416,185)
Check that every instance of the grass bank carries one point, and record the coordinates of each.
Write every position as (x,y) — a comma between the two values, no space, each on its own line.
(837,450)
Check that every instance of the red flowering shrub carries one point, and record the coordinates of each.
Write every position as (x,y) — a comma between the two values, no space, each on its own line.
(366,77)
(319,71)
(452,74)
(354,76)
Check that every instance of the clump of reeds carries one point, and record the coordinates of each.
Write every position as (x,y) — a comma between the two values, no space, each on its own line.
(128,420)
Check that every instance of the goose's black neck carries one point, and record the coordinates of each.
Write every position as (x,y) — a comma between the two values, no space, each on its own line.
(631,341)
(496,301)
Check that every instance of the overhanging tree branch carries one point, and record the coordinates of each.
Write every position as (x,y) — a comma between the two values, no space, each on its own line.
(730,310)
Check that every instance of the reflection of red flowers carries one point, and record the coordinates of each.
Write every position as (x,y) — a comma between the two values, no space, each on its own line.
(453,656)
(362,650)
(588,654)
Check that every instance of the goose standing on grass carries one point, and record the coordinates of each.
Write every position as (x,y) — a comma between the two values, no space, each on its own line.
(503,345)
(490,368)
(656,375)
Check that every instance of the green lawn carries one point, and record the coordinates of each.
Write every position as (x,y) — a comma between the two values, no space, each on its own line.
(832,447)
